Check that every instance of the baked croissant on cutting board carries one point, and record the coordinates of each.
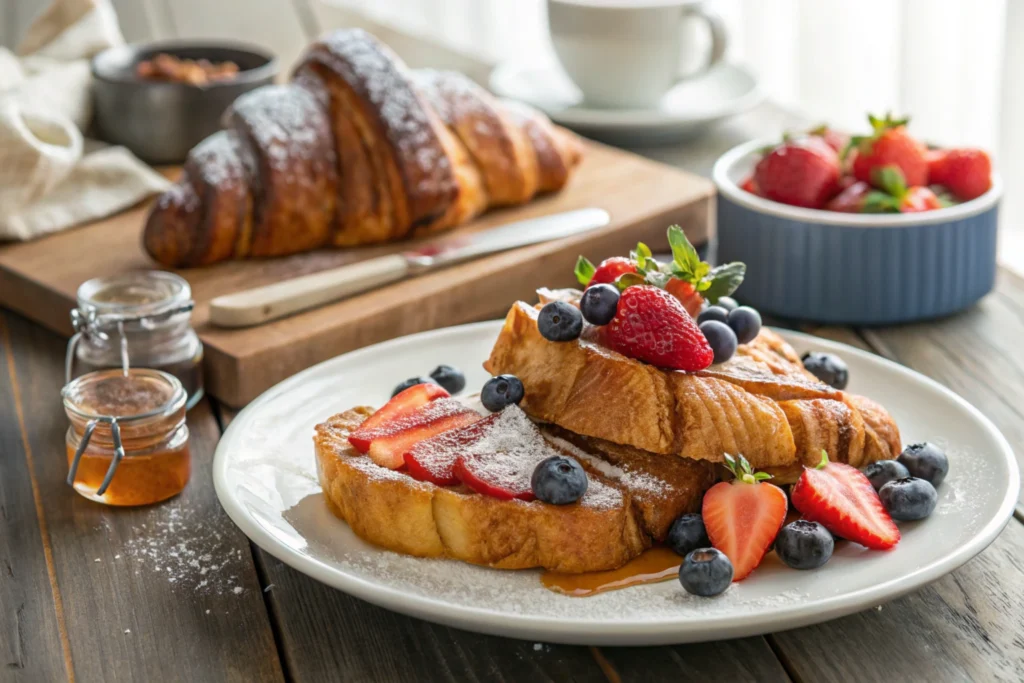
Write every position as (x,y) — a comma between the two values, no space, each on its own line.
(357,149)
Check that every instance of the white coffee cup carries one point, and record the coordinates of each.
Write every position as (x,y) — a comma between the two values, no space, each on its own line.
(626,54)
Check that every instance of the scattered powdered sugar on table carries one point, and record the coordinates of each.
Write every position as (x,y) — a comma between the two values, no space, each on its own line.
(188,552)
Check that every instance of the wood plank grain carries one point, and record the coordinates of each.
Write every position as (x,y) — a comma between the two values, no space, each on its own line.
(134,604)
(965,626)
(976,353)
(32,647)
(325,633)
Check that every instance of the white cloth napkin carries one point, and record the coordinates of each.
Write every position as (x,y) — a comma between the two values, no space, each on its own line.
(50,177)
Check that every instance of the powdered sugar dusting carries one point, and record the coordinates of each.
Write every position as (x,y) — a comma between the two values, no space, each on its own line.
(217,160)
(187,552)
(633,481)
(374,70)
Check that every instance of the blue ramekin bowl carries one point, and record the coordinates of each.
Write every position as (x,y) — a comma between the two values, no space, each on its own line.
(859,269)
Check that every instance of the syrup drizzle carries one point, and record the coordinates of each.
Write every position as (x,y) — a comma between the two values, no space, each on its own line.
(652,566)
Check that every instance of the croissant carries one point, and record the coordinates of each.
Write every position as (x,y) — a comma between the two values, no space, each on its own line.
(356,149)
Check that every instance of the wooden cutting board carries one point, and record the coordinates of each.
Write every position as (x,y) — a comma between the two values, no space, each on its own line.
(39,279)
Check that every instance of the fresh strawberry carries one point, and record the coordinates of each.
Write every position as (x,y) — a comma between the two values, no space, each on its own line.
(687,295)
(499,475)
(801,171)
(919,199)
(967,173)
(890,145)
(651,325)
(433,459)
(897,196)
(606,273)
(390,441)
(400,404)
(841,498)
(850,200)
(743,516)
(835,139)
(750,186)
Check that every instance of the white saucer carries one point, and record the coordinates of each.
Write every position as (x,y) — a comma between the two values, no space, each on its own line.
(687,109)
(265,475)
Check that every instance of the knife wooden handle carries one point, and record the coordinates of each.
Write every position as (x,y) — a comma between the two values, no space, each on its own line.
(263,304)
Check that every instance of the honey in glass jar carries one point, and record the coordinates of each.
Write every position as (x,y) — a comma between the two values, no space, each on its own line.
(128,441)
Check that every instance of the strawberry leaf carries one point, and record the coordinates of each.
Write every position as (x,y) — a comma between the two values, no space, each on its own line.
(640,255)
(879,202)
(657,278)
(584,271)
(722,281)
(891,179)
(686,264)
(824,460)
(628,280)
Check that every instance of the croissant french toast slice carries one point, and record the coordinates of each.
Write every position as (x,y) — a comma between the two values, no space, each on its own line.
(593,391)
(392,510)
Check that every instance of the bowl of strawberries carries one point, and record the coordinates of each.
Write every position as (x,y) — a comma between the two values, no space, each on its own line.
(868,229)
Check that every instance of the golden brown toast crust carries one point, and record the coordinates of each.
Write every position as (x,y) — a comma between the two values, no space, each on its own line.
(391,509)
(762,404)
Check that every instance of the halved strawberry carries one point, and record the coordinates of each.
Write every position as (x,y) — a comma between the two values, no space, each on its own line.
(841,498)
(433,459)
(743,516)
(390,441)
(400,404)
(499,475)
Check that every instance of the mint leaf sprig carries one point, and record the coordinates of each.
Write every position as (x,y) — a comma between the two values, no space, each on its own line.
(686,265)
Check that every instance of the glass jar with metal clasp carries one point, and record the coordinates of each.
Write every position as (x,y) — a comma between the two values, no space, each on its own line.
(142,320)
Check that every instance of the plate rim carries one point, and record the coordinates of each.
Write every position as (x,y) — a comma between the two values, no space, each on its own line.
(617,632)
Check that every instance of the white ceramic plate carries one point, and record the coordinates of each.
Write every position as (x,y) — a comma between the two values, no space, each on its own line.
(265,477)
(686,110)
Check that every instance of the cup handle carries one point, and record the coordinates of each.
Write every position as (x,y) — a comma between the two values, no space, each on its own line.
(719,36)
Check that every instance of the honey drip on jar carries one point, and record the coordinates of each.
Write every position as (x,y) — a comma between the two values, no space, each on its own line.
(652,566)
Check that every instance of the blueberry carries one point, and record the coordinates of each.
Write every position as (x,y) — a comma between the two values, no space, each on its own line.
(705,572)
(881,472)
(804,545)
(450,378)
(687,534)
(599,304)
(501,391)
(558,480)
(721,338)
(925,461)
(560,322)
(727,302)
(411,382)
(713,313)
(745,322)
(827,367)
(909,498)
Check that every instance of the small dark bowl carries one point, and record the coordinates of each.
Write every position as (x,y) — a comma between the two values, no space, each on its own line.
(161,121)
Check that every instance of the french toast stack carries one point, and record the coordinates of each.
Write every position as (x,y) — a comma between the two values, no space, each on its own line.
(649,439)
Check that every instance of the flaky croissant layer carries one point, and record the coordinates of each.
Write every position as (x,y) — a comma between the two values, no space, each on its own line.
(357,149)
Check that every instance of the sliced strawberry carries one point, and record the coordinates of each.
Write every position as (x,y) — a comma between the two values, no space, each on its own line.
(499,475)
(389,442)
(841,498)
(400,404)
(433,459)
(743,516)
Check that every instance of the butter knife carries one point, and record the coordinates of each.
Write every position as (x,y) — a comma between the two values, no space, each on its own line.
(262,304)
